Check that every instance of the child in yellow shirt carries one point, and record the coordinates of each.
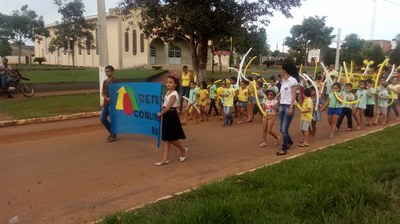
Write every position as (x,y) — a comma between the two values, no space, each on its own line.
(306,116)
(202,96)
(243,97)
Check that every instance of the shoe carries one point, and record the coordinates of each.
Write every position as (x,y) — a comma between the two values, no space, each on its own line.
(281,153)
(183,158)
(111,139)
(290,144)
(161,163)
(349,129)
(303,145)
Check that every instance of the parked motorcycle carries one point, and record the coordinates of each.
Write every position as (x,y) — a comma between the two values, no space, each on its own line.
(15,83)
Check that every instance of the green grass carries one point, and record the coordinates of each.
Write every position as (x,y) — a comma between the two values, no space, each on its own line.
(353,182)
(51,105)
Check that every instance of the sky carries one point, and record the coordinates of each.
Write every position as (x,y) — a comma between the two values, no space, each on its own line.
(351,16)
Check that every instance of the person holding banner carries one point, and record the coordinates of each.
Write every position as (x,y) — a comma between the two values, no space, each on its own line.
(105,112)
(171,126)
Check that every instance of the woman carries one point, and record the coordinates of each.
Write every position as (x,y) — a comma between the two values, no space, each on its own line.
(286,100)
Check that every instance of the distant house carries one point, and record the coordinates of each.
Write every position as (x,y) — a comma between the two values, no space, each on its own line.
(386,45)
(27,54)
(127,47)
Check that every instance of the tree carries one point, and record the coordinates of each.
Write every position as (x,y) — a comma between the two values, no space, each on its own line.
(39,60)
(352,49)
(255,38)
(22,26)
(329,56)
(196,21)
(395,55)
(73,30)
(275,54)
(377,54)
(397,39)
(312,33)
(5,48)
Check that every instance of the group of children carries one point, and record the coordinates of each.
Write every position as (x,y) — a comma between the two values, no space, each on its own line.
(339,101)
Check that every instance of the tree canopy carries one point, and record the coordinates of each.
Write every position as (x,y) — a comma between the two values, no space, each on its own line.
(312,33)
(199,21)
(74,29)
(352,50)
(395,55)
(5,48)
(21,26)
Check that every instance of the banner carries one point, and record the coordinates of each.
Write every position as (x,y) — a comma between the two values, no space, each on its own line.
(134,107)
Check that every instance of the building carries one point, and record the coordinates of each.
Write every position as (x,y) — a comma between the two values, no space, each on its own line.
(386,45)
(127,48)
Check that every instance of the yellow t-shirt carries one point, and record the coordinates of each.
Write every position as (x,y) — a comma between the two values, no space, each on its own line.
(185,79)
(243,95)
(307,103)
(229,95)
(203,93)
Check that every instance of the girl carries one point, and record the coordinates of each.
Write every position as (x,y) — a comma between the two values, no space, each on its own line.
(243,96)
(260,96)
(220,97)
(213,94)
(229,95)
(171,127)
(190,107)
(202,95)
(334,108)
(185,85)
(381,102)
(272,85)
(360,106)
(316,113)
(269,105)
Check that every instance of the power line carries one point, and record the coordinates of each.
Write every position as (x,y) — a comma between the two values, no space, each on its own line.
(396,3)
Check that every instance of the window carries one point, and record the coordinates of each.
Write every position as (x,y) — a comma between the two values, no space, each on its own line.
(97,42)
(126,41)
(88,48)
(174,52)
(152,51)
(79,50)
(134,42)
(142,42)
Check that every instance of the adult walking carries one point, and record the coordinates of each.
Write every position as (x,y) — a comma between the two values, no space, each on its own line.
(105,112)
(287,99)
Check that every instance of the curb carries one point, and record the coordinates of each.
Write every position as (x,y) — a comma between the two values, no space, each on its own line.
(8,123)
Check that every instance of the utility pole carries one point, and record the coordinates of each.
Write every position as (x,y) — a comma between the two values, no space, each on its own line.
(102,43)
(338,42)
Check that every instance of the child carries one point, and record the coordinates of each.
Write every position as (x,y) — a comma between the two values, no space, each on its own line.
(359,108)
(369,111)
(233,81)
(105,112)
(213,94)
(260,96)
(316,113)
(306,116)
(382,102)
(190,108)
(393,88)
(229,95)
(202,95)
(269,105)
(319,83)
(272,85)
(243,96)
(346,108)
(171,127)
(185,85)
(334,108)
(220,95)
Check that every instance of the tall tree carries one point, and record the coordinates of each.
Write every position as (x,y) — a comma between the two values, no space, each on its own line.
(73,31)
(312,33)
(395,55)
(352,49)
(199,21)
(5,48)
(377,54)
(21,26)
(397,38)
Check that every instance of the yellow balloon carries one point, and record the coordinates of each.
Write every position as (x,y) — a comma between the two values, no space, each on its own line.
(346,102)
(365,62)
(371,62)
(363,69)
(258,102)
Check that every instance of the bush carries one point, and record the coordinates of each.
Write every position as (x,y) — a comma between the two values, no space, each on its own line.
(268,63)
(39,60)
(157,67)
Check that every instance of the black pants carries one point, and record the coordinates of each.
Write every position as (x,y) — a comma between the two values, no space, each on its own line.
(348,113)
(212,105)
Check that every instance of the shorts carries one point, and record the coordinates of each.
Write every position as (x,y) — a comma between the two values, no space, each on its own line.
(256,109)
(252,99)
(334,111)
(317,115)
(369,111)
(381,110)
(304,125)
(241,104)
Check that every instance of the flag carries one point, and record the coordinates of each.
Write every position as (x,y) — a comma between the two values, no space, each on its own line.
(134,107)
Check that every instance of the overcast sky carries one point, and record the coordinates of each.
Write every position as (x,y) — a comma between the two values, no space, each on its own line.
(352,16)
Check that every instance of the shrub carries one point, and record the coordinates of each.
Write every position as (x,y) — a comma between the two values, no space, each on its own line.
(39,60)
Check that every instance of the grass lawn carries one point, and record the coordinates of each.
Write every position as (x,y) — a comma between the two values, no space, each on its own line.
(353,182)
(51,105)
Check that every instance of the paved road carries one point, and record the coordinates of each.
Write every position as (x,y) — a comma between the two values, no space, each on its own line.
(64,172)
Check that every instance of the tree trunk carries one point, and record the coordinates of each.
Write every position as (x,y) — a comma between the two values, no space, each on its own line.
(19,53)
(73,62)
(199,47)
(219,63)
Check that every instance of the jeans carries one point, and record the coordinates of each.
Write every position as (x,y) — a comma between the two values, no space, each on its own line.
(3,81)
(185,92)
(105,112)
(228,115)
(394,107)
(284,123)
(348,113)
(212,105)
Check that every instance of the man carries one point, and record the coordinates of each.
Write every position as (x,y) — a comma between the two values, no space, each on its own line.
(4,67)
(106,103)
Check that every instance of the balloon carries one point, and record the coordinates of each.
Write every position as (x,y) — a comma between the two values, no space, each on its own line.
(371,62)
(365,62)
(346,102)
(258,102)
(363,69)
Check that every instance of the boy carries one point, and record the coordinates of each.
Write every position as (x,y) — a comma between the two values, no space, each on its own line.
(369,111)
(229,95)
(346,108)
(306,116)
(273,87)
(190,107)
(185,87)
(382,102)
(105,112)
(213,94)
(220,95)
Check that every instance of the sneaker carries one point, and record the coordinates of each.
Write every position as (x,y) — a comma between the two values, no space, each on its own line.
(111,139)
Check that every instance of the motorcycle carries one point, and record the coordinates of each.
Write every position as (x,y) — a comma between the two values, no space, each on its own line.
(15,82)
